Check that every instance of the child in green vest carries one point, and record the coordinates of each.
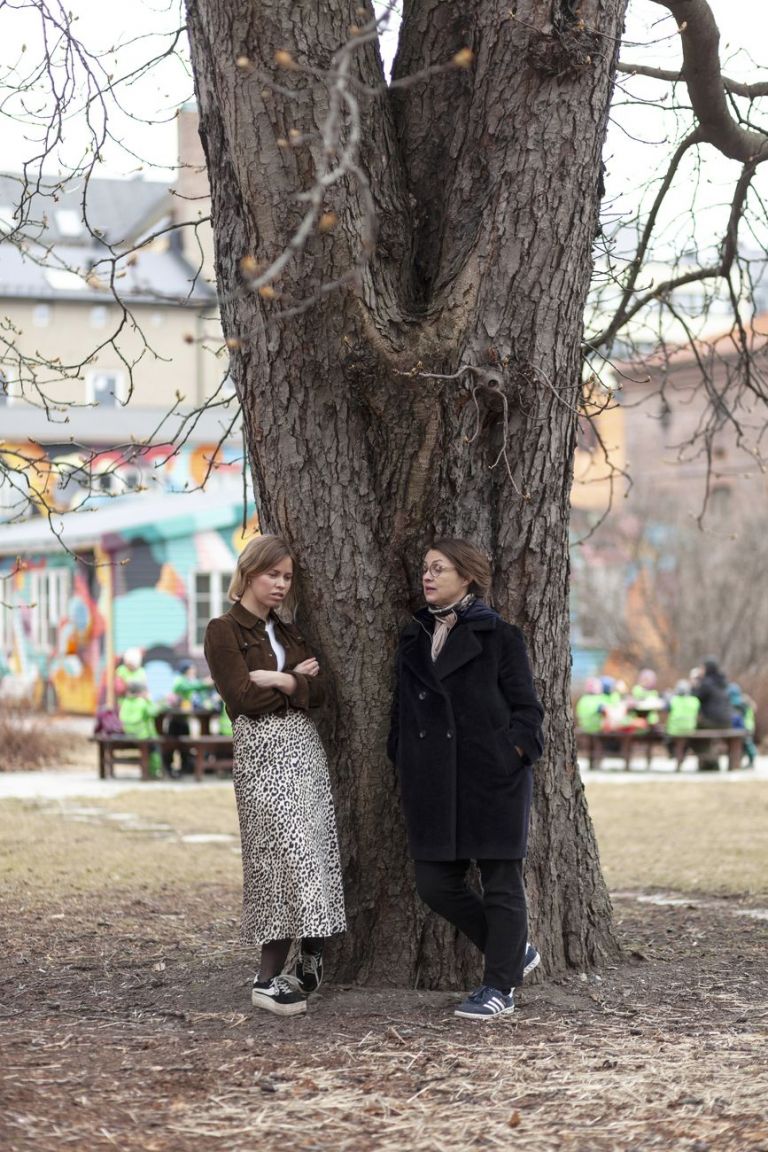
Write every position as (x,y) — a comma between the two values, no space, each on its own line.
(590,706)
(137,716)
(683,712)
(130,671)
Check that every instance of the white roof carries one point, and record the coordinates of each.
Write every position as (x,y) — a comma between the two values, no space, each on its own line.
(179,513)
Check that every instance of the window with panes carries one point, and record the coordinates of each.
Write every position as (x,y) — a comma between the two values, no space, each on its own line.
(208,598)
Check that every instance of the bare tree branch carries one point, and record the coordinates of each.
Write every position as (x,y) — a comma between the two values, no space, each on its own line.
(734,87)
(700,38)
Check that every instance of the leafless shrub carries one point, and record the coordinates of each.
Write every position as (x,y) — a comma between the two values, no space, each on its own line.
(29,740)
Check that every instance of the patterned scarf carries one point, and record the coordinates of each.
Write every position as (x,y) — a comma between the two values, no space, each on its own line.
(445,619)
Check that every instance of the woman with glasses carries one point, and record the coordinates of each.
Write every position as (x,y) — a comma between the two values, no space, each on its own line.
(269,680)
(466,730)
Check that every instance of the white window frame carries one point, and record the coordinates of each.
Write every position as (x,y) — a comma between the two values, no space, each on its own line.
(49,591)
(219,584)
(118,381)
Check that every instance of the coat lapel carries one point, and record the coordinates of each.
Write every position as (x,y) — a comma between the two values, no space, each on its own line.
(416,653)
(462,646)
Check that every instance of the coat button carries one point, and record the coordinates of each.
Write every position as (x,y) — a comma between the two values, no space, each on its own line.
(422,695)
(449,735)
(422,735)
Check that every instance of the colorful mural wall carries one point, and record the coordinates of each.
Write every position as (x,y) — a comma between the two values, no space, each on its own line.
(67,621)
(52,630)
(63,478)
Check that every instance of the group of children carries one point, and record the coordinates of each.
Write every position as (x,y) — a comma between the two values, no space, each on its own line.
(705,700)
(137,711)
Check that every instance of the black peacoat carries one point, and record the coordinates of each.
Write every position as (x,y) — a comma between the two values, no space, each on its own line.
(456,723)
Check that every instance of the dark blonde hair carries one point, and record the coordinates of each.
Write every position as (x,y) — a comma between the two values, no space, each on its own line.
(258,556)
(470,562)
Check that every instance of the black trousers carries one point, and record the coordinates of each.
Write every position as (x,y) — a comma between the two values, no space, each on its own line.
(496,922)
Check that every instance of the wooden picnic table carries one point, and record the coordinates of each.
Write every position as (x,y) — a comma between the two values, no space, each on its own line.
(211,751)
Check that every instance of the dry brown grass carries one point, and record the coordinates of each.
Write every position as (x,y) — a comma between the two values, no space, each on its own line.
(697,835)
(133,841)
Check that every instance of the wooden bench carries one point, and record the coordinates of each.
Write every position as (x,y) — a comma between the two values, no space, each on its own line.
(596,745)
(733,738)
(210,751)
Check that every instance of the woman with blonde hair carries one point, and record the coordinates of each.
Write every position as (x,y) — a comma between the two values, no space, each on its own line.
(466,730)
(269,680)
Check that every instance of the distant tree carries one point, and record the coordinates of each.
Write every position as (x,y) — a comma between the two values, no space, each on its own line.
(659,590)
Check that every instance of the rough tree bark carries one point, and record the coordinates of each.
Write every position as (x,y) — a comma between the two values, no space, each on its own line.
(486,184)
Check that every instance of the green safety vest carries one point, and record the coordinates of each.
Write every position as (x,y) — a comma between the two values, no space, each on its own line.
(588,715)
(683,715)
(137,717)
(185,688)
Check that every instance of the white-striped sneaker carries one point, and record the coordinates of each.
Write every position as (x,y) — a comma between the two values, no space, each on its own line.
(532,959)
(486,1004)
(280,995)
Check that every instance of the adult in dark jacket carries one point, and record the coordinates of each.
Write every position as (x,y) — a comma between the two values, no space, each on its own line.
(466,730)
(712,691)
(716,710)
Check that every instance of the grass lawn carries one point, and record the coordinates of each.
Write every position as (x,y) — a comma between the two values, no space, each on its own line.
(707,835)
(134,840)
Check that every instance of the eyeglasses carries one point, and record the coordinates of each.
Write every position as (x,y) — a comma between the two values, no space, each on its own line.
(436,569)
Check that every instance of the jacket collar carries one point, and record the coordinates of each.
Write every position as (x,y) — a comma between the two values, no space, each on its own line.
(422,621)
(462,646)
(247,619)
(244,617)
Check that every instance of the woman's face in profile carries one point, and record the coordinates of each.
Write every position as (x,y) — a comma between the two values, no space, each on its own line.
(441,582)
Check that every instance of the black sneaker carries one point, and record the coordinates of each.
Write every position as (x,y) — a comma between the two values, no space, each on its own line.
(532,959)
(280,995)
(309,971)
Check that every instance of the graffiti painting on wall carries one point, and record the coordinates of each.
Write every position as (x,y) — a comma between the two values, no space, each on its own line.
(63,477)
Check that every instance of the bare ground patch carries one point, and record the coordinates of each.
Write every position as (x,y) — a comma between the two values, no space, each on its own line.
(126,1024)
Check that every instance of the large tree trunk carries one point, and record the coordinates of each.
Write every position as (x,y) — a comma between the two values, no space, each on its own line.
(486,188)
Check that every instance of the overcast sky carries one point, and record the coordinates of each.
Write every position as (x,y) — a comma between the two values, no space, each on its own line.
(140,27)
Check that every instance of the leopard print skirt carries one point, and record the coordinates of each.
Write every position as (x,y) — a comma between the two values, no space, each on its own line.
(291,869)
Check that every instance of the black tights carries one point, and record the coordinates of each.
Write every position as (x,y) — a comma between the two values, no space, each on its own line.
(275,952)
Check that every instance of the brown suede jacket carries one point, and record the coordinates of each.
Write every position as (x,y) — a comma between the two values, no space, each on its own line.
(236,644)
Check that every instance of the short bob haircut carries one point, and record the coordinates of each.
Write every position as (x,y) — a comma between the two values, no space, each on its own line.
(258,556)
(470,562)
